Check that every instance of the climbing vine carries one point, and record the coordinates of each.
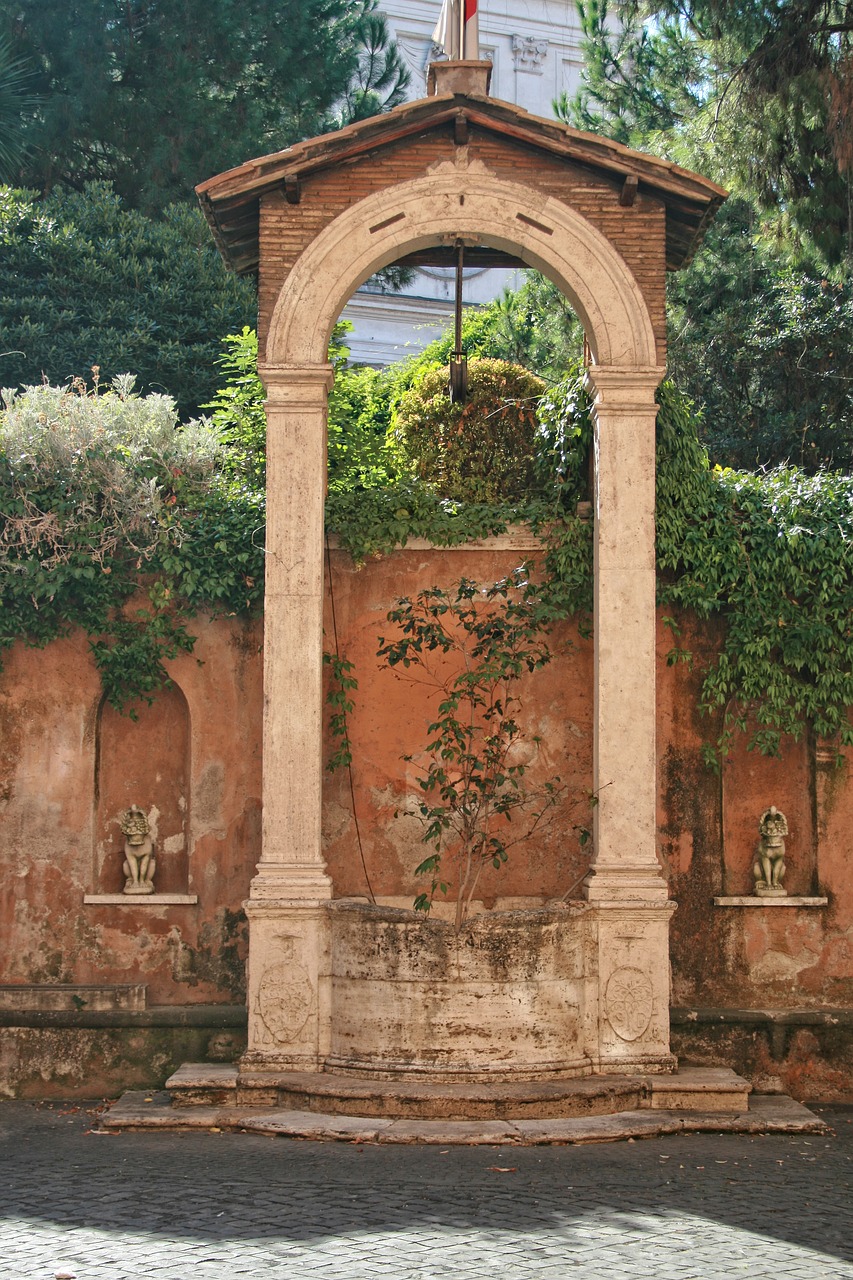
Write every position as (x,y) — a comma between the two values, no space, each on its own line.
(771,556)
(116,518)
(767,555)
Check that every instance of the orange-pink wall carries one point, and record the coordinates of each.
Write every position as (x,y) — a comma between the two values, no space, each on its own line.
(196,757)
(393,708)
(68,767)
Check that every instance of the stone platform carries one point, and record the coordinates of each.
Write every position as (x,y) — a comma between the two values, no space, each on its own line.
(325,1106)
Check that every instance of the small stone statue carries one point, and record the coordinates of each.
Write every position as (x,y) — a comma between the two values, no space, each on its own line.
(769,865)
(139,862)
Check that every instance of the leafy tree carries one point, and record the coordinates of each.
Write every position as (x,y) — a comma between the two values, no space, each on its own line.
(359,416)
(764,348)
(473,784)
(85,282)
(237,410)
(760,97)
(359,420)
(154,96)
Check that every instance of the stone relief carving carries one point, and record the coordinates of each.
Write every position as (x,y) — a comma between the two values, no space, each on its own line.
(629,1002)
(769,867)
(418,55)
(139,861)
(285,995)
(529,54)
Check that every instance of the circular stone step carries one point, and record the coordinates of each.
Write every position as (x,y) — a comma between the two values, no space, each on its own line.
(334,1094)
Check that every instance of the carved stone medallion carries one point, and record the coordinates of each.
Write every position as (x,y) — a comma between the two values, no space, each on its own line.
(628,1002)
(285,997)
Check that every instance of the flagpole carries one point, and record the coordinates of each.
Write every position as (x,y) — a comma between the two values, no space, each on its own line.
(457,31)
(470,30)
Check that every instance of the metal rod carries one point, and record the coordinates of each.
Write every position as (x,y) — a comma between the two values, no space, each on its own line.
(460,259)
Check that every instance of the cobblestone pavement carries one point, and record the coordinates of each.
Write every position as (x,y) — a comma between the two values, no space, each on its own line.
(216,1205)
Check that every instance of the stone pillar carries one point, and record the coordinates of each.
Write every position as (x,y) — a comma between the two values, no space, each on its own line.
(626,884)
(288,971)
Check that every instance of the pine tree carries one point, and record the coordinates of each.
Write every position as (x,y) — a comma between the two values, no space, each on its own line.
(156,95)
(758,95)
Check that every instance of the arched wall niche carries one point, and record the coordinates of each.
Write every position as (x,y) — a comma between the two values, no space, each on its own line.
(786,781)
(143,761)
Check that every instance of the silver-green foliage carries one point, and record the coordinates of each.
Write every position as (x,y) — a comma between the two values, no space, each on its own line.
(100,490)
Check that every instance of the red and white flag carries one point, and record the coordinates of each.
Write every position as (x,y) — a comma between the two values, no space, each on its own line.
(457,31)
(470,30)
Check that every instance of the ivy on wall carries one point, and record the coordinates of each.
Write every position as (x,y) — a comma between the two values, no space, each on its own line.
(771,555)
(118,520)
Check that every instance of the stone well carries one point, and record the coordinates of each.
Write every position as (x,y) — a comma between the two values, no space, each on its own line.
(505,998)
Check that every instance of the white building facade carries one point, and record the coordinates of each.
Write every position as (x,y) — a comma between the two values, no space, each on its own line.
(534,48)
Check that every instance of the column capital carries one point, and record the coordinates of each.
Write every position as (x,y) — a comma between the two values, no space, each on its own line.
(624,389)
(295,386)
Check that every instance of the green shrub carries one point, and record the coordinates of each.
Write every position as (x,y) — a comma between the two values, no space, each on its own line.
(102,492)
(237,409)
(98,489)
(85,282)
(482,450)
(94,472)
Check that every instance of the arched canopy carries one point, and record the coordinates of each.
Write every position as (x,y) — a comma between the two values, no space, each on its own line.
(481,208)
(604,224)
(601,220)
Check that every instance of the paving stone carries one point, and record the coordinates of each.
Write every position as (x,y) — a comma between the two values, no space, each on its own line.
(180,1205)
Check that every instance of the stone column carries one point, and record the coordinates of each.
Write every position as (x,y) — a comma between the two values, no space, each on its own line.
(626,884)
(288,971)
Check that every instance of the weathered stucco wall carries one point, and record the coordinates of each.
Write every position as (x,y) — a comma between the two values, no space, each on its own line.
(71,765)
(392,710)
(762,957)
(68,766)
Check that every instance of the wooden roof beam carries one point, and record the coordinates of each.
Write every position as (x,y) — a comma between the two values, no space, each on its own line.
(628,194)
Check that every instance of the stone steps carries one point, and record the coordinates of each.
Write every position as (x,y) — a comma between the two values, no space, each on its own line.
(769,1113)
(706,1089)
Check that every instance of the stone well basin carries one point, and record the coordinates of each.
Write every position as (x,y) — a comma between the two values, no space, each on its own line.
(505,998)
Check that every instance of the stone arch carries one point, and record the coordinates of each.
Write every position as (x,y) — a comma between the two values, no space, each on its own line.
(449,203)
(625,889)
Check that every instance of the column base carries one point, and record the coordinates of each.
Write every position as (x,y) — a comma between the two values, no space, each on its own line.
(290,882)
(257,1062)
(623,883)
